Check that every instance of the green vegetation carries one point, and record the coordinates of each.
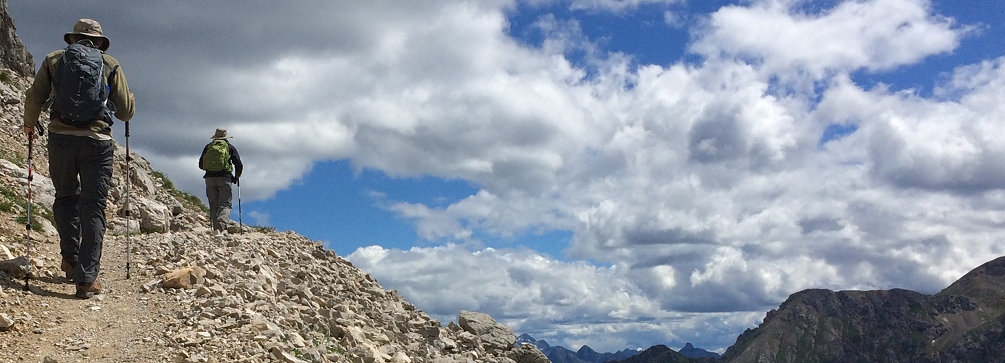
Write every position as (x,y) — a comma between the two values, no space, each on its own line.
(14,157)
(10,198)
(188,200)
(6,76)
(263,229)
(164,180)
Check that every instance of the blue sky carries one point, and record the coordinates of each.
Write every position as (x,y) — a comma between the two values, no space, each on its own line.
(611,173)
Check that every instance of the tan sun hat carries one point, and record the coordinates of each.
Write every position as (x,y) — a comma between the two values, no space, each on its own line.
(220,134)
(87,27)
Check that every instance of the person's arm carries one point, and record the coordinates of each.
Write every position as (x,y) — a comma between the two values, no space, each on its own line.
(37,95)
(235,158)
(120,96)
(201,156)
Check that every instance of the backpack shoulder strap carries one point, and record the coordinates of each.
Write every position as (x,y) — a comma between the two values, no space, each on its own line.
(111,77)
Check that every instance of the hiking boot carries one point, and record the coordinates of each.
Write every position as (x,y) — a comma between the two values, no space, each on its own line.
(67,266)
(87,290)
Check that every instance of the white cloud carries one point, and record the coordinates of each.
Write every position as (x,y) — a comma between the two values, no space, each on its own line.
(674,19)
(260,218)
(567,303)
(875,35)
(616,6)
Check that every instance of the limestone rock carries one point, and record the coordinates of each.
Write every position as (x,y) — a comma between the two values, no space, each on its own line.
(16,267)
(183,278)
(5,253)
(494,336)
(6,322)
(528,353)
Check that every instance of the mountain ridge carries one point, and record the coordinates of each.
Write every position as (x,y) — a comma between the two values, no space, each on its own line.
(585,354)
(962,323)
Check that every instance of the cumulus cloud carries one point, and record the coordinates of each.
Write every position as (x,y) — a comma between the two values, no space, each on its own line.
(785,40)
(571,303)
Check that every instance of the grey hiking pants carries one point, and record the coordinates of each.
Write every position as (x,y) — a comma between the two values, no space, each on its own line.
(81,169)
(219,194)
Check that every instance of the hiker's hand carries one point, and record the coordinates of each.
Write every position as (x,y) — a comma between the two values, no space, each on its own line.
(236,180)
(29,130)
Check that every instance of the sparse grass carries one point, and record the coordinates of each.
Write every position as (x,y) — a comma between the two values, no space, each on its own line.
(10,198)
(14,157)
(6,206)
(6,76)
(263,229)
(35,226)
(188,200)
(164,180)
(10,195)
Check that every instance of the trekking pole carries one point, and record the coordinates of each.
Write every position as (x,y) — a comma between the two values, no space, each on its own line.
(240,217)
(128,208)
(27,224)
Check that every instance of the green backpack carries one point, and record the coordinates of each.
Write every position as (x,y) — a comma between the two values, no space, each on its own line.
(217,157)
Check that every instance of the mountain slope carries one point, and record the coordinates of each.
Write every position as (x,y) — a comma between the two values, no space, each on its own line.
(963,323)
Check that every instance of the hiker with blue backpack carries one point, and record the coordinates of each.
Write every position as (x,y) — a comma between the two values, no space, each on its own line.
(85,88)
(223,167)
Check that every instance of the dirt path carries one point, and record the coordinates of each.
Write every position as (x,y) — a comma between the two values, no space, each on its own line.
(123,324)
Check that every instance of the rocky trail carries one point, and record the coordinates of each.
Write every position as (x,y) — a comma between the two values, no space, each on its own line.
(48,324)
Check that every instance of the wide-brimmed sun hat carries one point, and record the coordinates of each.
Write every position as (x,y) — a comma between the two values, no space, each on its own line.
(220,134)
(90,28)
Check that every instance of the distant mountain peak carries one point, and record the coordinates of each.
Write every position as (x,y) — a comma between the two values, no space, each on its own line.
(585,354)
(691,352)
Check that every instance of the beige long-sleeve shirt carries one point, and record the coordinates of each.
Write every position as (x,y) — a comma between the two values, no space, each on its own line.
(39,94)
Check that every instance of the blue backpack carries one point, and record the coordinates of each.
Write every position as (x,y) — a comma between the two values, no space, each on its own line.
(81,90)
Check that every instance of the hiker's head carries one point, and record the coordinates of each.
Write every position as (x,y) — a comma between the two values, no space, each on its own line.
(220,134)
(87,29)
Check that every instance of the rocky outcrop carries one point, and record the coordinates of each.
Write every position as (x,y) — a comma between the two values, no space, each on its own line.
(492,336)
(13,54)
(963,323)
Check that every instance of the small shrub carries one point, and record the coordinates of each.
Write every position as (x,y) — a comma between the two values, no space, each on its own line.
(35,226)
(164,180)
(188,200)
(6,77)
(6,206)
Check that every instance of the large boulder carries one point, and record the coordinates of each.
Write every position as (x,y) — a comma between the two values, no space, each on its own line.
(495,337)
(528,353)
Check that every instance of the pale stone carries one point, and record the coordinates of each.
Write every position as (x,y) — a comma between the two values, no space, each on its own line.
(6,322)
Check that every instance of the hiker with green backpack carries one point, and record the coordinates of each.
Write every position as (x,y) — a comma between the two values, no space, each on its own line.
(84,88)
(223,167)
